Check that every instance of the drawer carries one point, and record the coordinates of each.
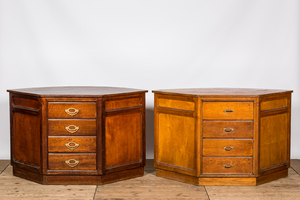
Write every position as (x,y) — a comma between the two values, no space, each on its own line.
(71,110)
(228,110)
(72,144)
(216,147)
(228,129)
(72,161)
(123,103)
(72,127)
(227,165)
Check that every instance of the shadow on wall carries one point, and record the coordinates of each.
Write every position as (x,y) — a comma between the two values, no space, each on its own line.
(149,133)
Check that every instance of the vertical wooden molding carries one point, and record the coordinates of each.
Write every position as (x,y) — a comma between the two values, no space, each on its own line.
(198,136)
(102,125)
(256,133)
(143,127)
(155,131)
(289,130)
(99,143)
(12,147)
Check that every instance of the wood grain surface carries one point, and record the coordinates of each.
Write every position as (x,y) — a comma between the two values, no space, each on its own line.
(57,127)
(147,187)
(217,110)
(212,92)
(86,110)
(233,129)
(227,147)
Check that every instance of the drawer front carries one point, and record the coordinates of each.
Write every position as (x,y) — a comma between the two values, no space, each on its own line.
(72,161)
(227,165)
(72,144)
(228,129)
(70,110)
(215,147)
(71,127)
(228,110)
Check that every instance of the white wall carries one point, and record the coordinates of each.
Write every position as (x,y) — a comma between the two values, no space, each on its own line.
(150,44)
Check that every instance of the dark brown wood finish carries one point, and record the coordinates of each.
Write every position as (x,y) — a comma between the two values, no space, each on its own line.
(124,132)
(58,134)
(244,135)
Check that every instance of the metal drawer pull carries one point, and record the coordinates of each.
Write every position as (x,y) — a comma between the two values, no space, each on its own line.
(72,145)
(228,148)
(228,165)
(228,111)
(72,128)
(228,129)
(72,162)
(72,111)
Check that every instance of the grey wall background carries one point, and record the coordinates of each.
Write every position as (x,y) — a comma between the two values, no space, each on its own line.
(150,44)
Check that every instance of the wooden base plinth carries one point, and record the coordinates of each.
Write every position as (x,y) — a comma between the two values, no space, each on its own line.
(78,180)
(222,181)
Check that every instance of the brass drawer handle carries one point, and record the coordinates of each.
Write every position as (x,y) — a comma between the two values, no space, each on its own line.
(228,129)
(72,128)
(228,165)
(72,162)
(72,111)
(228,111)
(228,148)
(72,145)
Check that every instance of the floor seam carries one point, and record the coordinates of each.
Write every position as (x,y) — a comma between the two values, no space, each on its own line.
(95,192)
(5,168)
(295,171)
(206,193)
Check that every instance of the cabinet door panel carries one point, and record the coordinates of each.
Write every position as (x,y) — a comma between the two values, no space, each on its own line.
(274,141)
(26,142)
(175,143)
(123,140)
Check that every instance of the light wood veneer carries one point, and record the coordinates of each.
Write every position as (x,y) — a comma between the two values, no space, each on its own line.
(77,135)
(222,136)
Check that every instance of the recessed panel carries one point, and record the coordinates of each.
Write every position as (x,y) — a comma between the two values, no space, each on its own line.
(122,103)
(123,139)
(26,138)
(176,141)
(176,104)
(274,104)
(273,140)
(25,102)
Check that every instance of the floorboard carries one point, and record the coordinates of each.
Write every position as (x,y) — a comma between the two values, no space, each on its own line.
(3,165)
(147,187)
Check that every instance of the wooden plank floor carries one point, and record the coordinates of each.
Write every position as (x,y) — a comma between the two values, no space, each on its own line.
(147,187)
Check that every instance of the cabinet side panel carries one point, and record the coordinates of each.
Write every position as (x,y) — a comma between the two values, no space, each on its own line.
(176,142)
(26,139)
(273,140)
(123,139)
